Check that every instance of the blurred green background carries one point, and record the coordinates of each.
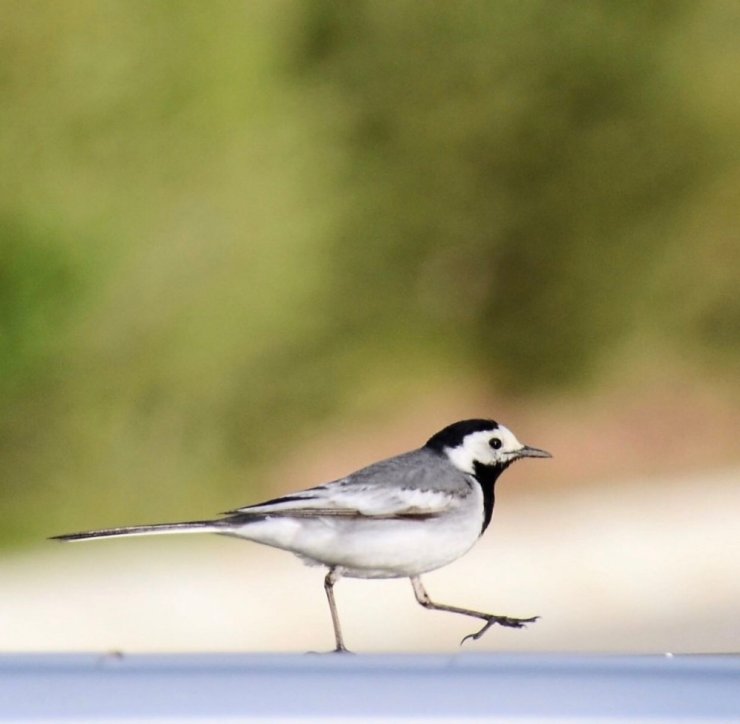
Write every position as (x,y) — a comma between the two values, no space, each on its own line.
(228,227)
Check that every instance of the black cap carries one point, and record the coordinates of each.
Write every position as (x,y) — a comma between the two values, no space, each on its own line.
(455,433)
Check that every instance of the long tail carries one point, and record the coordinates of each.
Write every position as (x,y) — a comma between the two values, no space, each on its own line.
(193,526)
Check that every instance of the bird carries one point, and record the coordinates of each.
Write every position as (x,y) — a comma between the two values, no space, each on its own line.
(398,518)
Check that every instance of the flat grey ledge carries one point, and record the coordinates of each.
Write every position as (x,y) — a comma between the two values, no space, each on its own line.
(256,687)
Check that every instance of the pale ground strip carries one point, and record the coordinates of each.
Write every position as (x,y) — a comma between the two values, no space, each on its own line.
(644,566)
(457,719)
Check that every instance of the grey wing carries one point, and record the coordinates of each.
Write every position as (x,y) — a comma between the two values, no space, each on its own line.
(410,485)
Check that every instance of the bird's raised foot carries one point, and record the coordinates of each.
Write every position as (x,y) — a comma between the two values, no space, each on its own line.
(492,620)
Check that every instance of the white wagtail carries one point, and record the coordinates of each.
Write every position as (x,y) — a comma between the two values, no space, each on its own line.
(397,518)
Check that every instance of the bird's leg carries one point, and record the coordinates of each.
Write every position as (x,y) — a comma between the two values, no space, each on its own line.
(491,619)
(331,578)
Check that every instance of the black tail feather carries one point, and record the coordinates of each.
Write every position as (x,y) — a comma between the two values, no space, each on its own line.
(194,526)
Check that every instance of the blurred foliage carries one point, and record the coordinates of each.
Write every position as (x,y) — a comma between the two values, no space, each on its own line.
(515,169)
(219,226)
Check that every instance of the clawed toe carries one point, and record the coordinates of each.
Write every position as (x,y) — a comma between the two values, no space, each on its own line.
(507,621)
(514,622)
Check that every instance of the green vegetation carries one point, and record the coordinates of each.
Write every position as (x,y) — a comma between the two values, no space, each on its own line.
(220,225)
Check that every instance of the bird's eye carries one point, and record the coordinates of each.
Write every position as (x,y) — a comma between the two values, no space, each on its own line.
(495,443)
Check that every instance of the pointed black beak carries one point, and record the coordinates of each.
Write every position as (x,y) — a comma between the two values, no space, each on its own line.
(532,452)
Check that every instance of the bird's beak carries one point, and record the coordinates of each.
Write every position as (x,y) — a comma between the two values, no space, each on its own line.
(532,452)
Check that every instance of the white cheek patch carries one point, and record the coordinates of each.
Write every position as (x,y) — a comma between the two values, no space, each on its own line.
(477,448)
(460,458)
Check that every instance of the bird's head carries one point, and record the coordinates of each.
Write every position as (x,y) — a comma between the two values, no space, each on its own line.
(472,443)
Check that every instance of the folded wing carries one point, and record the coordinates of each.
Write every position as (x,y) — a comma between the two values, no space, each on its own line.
(349,499)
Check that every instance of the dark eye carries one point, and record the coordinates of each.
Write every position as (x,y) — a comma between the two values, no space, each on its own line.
(495,443)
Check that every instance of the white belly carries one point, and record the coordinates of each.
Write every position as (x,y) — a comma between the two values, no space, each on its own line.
(368,548)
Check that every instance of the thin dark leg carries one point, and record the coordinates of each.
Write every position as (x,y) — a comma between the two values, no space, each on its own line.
(331,578)
(491,619)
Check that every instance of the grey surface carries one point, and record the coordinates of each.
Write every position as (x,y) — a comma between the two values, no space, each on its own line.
(470,686)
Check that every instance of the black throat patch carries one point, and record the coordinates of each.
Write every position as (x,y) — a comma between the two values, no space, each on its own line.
(486,476)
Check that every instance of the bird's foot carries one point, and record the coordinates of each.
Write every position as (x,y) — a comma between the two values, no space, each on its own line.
(338,650)
(492,620)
